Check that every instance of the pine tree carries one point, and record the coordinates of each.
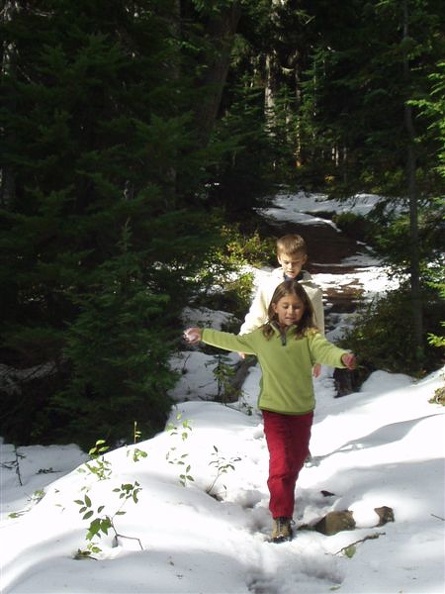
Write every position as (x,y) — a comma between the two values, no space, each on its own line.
(360,107)
(98,212)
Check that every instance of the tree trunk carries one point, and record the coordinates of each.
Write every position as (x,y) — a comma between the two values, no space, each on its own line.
(8,60)
(416,298)
(221,29)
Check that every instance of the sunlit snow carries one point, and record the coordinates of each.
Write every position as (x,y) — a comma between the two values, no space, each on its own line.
(201,520)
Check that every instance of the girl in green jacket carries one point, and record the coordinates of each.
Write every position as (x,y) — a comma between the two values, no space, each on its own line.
(287,347)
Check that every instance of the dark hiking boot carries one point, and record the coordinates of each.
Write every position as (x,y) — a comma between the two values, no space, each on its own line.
(282,530)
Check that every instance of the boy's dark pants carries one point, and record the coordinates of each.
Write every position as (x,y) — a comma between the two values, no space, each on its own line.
(287,438)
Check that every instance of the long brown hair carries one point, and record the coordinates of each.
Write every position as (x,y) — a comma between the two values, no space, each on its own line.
(290,287)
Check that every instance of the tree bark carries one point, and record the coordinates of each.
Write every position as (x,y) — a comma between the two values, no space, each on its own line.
(221,29)
(416,298)
(8,61)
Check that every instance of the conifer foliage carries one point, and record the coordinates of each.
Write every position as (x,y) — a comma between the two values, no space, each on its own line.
(95,142)
(131,131)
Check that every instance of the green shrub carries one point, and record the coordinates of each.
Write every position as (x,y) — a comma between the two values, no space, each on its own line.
(439,396)
(356,226)
(224,281)
(382,335)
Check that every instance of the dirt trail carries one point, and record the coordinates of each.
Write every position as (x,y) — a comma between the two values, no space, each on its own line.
(325,244)
(327,248)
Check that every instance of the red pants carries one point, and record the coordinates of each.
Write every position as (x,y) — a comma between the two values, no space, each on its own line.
(287,438)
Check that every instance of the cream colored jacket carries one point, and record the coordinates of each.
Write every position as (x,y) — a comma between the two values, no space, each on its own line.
(257,314)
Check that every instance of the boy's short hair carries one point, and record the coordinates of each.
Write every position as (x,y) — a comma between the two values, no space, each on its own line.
(291,244)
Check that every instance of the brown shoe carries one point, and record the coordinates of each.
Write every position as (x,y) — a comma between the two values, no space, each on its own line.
(282,530)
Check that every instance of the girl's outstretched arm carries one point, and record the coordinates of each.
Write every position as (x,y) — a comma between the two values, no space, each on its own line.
(192,335)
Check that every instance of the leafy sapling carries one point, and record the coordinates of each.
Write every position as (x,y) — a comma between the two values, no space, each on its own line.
(224,373)
(183,430)
(101,523)
(98,465)
(37,496)
(137,454)
(137,434)
(222,467)
(439,396)
(100,520)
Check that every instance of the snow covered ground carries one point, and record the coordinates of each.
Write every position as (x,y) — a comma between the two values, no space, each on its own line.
(199,521)
(302,208)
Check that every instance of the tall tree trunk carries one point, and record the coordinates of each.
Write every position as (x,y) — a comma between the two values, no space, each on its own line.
(8,61)
(416,298)
(221,29)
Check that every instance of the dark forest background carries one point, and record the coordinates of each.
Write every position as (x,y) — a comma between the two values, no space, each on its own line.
(136,140)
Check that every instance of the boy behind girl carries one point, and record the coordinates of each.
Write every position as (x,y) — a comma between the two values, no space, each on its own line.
(292,256)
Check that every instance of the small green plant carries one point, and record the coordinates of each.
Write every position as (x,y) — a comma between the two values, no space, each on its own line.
(183,429)
(172,458)
(101,523)
(350,551)
(137,454)
(97,465)
(137,434)
(222,466)
(435,340)
(35,498)
(185,477)
(224,373)
(439,396)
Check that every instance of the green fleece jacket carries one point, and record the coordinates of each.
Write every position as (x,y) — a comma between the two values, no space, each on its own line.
(286,363)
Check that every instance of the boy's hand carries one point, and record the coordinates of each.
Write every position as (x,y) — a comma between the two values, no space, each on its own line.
(349,361)
(242,355)
(192,335)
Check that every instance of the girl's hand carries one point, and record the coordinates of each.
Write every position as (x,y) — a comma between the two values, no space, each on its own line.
(349,361)
(192,335)
(316,370)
